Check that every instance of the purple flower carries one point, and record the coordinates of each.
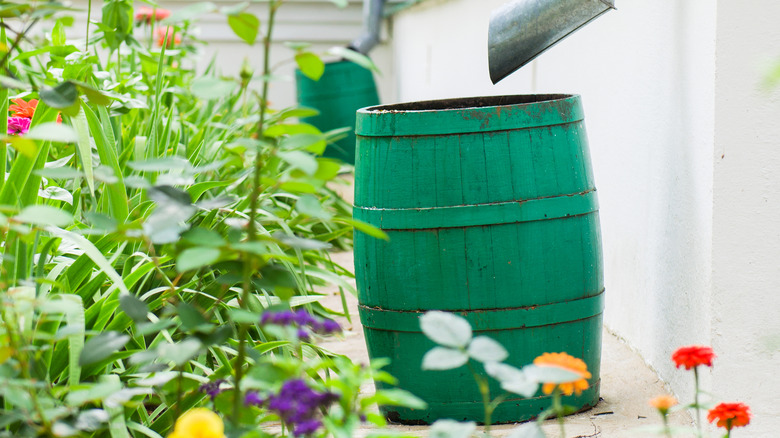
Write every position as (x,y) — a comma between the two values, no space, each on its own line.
(303,318)
(212,388)
(298,406)
(294,388)
(306,427)
(281,405)
(252,398)
(18,125)
(303,334)
(325,398)
(280,318)
(330,326)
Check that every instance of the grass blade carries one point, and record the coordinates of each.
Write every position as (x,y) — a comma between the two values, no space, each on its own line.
(84,148)
(75,320)
(117,192)
(116,414)
(94,254)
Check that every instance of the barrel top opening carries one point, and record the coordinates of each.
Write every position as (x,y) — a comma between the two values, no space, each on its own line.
(468,115)
(469,102)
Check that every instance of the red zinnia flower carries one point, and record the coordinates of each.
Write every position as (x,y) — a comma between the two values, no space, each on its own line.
(145,14)
(22,108)
(693,356)
(730,415)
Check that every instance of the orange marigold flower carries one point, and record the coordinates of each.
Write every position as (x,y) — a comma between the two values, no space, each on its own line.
(568,363)
(663,403)
(693,356)
(23,108)
(172,40)
(730,415)
(145,14)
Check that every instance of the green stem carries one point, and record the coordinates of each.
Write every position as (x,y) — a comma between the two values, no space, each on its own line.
(696,400)
(484,390)
(89,17)
(667,430)
(150,44)
(10,319)
(249,262)
(179,384)
(16,42)
(558,409)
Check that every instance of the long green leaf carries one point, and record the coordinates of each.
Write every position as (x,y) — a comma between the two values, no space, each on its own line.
(76,322)
(117,426)
(94,254)
(3,122)
(140,428)
(117,192)
(151,132)
(84,148)
(43,258)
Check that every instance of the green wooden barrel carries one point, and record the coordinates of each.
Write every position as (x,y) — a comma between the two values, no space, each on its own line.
(344,88)
(492,213)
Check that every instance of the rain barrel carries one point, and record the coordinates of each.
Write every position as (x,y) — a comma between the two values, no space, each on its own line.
(491,212)
(343,88)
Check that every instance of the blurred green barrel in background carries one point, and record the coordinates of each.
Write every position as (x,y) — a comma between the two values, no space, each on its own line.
(344,88)
(491,211)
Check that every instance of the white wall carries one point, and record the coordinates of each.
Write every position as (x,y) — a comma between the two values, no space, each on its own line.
(691,239)
(746,208)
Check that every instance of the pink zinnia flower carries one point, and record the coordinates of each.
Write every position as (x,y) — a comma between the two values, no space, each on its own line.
(145,14)
(18,125)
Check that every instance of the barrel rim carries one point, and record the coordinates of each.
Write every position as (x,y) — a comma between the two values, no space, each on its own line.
(465,115)
(463,103)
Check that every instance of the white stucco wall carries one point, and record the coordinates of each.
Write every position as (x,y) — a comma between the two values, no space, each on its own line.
(746,208)
(691,241)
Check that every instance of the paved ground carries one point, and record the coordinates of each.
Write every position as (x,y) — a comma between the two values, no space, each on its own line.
(626,385)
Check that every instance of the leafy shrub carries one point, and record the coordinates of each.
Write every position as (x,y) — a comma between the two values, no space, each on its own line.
(149,217)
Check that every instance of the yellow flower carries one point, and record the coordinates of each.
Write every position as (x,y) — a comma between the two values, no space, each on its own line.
(663,403)
(198,423)
(568,363)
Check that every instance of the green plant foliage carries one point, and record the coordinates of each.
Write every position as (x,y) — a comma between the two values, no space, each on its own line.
(150,216)
(310,64)
(245,26)
(446,329)
(456,348)
(451,429)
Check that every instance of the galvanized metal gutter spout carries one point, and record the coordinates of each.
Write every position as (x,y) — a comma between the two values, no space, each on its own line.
(372,24)
(522,29)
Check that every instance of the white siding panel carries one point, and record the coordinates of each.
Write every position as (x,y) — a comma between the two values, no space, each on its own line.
(319,22)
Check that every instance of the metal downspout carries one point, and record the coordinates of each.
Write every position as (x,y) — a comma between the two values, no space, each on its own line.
(372,23)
